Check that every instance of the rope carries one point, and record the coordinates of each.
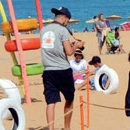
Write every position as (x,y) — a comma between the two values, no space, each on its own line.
(97,105)
(60,117)
(107,106)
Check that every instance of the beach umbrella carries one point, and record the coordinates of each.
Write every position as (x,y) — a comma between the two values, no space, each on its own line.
(91,20)
(114,17)
(71,21)
(74,21)
(48,21)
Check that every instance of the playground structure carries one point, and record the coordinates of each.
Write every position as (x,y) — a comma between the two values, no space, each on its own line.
(14,26)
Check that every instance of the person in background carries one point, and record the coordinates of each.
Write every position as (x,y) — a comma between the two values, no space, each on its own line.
(127,96)
(85,30)
(94,24)
(129,57)
(96,62)
(108,23)
(79,67)
(117,40)
(100,27)
(58,76)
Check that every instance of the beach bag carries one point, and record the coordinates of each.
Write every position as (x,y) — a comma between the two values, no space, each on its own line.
(127,98)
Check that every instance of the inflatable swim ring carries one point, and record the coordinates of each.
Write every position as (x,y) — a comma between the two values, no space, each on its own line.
(23,25)
(27,44)
(32,69)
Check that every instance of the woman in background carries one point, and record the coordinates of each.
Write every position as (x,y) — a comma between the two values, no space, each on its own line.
(100,27)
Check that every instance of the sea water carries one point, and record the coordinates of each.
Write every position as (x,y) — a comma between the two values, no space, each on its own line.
(81,10)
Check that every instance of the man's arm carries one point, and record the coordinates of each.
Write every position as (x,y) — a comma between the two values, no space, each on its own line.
(70,47)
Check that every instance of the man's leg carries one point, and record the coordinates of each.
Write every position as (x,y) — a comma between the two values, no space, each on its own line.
(68,107)
(50,113)
(100,50)
(100,44)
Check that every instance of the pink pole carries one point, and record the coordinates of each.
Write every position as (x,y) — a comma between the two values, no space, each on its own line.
(20,51)
(39,13)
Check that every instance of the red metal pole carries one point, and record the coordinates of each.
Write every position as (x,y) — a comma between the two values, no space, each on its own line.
(81,112)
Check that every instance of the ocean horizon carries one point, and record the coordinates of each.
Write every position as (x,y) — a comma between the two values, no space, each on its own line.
(81,10)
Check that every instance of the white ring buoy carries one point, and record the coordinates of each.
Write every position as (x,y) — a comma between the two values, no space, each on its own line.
(113,77)
(16,111)
(10,88)
(12,92)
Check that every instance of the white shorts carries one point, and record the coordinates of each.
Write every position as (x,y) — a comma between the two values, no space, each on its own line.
(116,43)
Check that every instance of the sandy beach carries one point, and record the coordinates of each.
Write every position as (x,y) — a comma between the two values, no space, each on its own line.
(106,110)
